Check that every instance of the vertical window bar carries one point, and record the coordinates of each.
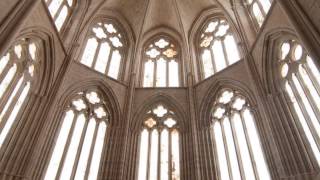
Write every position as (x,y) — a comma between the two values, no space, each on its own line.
(94,139)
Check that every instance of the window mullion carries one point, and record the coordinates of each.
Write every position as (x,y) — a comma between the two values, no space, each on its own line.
(170,154)
(96,54)
(10,89)
(57,13)
(66,148)
(11,106)
(312,78)
(249,147)
(5,71)
(237,145)
(167,73)
(159,155)
(155,72)
(304,111)
(213,61)
(308,95)
(84,132)
(149,153)
(225,51)
(226,149)
(261,9)
(109,58)
(91,150)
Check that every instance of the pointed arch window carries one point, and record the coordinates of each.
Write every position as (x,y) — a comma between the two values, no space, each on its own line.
(78,149)
(105,49)
(237,145)
(60,11)
(159,152)
(300,78)
(18,74)
(218,47)
(258,9)
(161,65)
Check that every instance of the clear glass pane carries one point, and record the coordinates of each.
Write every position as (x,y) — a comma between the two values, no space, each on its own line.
(207,63)
(164,153)
(7,80)
(3,62)
(143,155)
(54,6)
(70,2)
(244,151)
(153,167)
(12,96)
(161,73)
(175,155)
(221,152)
(173,74)
(73,148)
(265,5)
(314,94)
(148,74)
(89,52)
(256,146)
(115,64)
(231,150)
(314,69)
(307,104)
(218,53)
(257,13)
(102,59)
(231,49)
(62,17)
(97,152)
(14,113)
(85,150)
(59,146)
(304,123)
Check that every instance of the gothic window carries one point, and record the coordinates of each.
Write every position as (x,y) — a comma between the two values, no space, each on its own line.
(104,50)
(80,142)
(161,64)
(237,145)
(258,9)
(159,146)
(18,71)
(301,80)
(60,10)
(218,48)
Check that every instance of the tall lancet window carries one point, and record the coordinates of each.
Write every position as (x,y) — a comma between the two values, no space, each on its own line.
(79,145)
(258,9)
(161,64)
(60,11)
(238,149)
(105,49)
(19,68)
(218,47)
(300,78)
(159,157)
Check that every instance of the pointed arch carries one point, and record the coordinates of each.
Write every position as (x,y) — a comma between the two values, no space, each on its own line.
(88,112)
(26,75)
(107,46)
(292,76)
(154,100)
(234,131)
(61,11)
(214,28)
